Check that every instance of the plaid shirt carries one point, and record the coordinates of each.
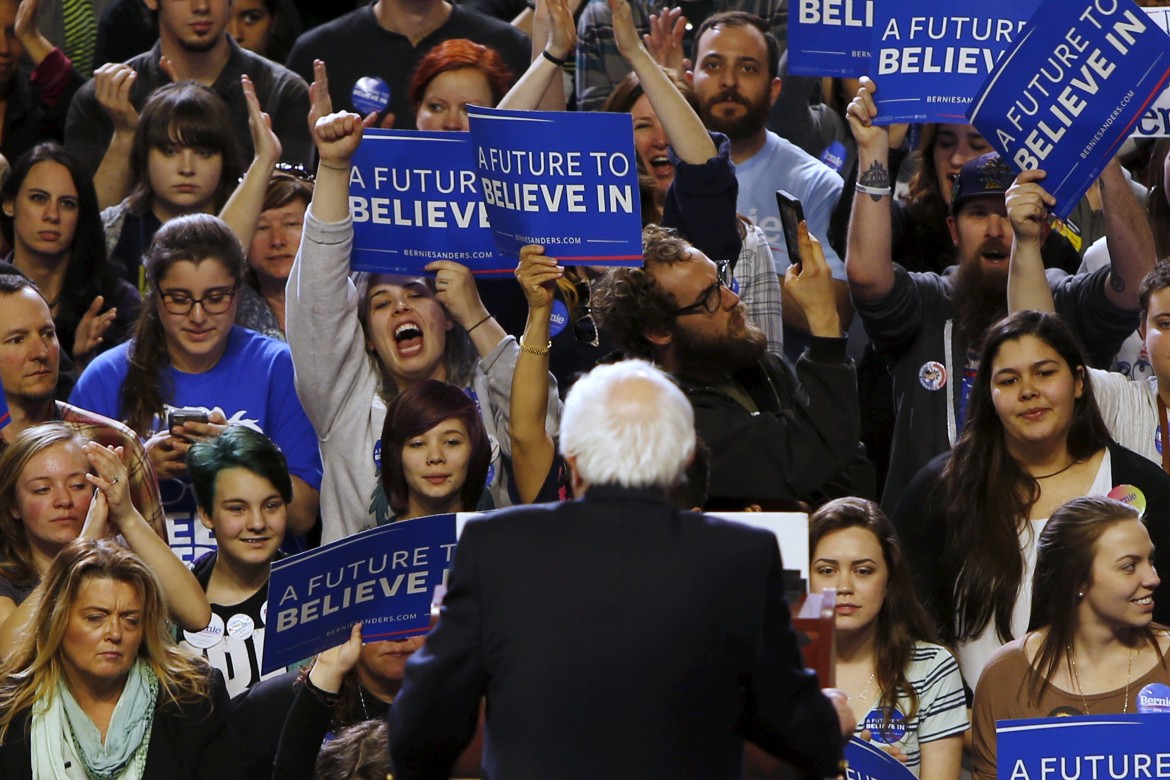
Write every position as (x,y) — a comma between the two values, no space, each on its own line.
(759,287)
(600,66)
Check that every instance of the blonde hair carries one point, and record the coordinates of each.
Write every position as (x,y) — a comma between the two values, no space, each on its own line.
(33,669)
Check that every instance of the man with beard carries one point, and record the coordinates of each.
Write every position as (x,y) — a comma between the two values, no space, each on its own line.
(928,325)
(29,359)
(776,440)
(194,44)
(736,60)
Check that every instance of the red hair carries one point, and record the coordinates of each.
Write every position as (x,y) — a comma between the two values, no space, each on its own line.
(456,54)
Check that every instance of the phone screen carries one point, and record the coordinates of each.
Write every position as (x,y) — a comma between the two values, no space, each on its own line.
(791,215)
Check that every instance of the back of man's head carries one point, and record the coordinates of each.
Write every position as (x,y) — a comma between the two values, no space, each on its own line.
(628,424)
(1156,280)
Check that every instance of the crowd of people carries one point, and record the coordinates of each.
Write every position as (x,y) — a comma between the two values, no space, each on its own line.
(198,386)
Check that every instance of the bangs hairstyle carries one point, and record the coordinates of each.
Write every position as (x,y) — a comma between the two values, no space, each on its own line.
(459,355)
(17,565)
(457,54)
(88,274)
(989,494)
(35,666)
(628,424)
(239,447)
(902,620)
(185,114)
(1064,565)
(415,411)
(194,238)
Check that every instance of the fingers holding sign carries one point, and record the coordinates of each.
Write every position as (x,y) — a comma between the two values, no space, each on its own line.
(537,274)
(1027,206)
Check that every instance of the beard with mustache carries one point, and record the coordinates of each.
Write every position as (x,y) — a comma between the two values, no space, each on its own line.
(704,355)
(980,296)
(736,128)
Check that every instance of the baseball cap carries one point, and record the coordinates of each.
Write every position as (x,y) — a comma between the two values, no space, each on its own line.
(986,175)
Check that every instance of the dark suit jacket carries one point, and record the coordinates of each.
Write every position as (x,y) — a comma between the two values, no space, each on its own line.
(617,637)
(186,743)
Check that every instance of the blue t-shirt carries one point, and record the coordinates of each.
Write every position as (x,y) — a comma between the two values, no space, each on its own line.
(252,385)
(781,166)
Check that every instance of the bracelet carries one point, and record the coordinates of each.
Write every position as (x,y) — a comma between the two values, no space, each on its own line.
(560,63)
(334,167)
(534,350)
(868,190)
(481,322)
(328,698)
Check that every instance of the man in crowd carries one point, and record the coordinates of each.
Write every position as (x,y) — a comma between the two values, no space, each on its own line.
(735,78)
(694,606)
(400,32)
(927,325)
(29,358)
(776,440)
(193,44)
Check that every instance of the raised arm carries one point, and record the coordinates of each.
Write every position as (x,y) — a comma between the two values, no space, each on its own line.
(688,137)
(1027,209)
(337,136)
(869,265)
(533,449)
(542,85)
(242,210)
(112,83)
(1128,236)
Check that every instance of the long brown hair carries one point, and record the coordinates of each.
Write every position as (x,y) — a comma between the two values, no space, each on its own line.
(989,495)
(902,621)
(1064,564)
(33,669)
(193,238)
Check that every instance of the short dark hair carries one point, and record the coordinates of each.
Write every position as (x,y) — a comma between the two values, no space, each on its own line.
(629,301)
(418,409)
(239,447)
(740,19)
(1157,279)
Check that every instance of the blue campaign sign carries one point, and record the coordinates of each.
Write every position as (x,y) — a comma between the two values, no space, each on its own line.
(868,762)
(1155,121)
(385,578)
(5,416)
(566,180)
(415,198)
(1084,747)
(829,37)
(1067,95)
(929,58)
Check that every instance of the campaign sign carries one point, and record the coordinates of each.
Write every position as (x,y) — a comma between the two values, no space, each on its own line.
(1155,121)
(829,37)
(385,578)
(1066,96)
(869,762)
(1098,746)
(566,180)
(929,58)
(414,199)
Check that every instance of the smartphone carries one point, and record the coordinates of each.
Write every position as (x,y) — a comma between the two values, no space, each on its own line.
(186,414)
(791,215)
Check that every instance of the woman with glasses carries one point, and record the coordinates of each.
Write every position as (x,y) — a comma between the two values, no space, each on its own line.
(189,372)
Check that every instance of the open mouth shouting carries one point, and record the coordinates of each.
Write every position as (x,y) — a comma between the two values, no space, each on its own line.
(408,337)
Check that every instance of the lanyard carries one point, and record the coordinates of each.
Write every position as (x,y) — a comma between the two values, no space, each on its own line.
(1162,431)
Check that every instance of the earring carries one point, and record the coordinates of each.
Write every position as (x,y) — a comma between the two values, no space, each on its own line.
(1080,594)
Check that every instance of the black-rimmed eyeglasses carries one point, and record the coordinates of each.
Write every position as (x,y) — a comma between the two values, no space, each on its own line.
(215,302)
(711,298)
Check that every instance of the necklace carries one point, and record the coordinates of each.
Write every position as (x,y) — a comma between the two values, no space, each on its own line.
(56,300)
(865,692)
(1058,471)
(1077,679)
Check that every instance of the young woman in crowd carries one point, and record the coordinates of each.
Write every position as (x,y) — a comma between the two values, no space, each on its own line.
(184,160)
(1092,644)
(266,27)
(49,216)
(47,499)
(186,352)
(356,346)
(94,688)
(243,490)
(1034,439)
(450,77)
(906,690)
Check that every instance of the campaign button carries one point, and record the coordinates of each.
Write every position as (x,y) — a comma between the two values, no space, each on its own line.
(370,93)
(1128,494)
(208,637)
(933,375)
(264,614)
(882,732)
(558,319)
(240,626)
(1154,697)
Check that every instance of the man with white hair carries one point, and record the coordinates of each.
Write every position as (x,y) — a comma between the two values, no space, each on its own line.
(615,635)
